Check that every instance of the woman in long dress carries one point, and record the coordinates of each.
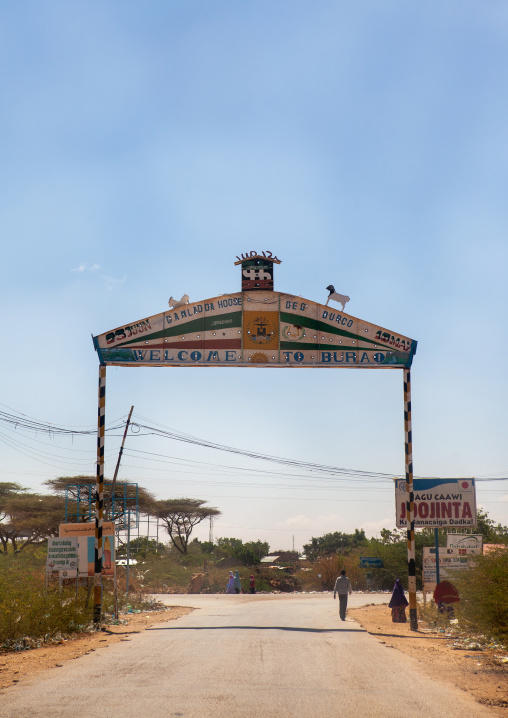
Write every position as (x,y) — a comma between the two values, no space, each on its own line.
(398,603)
(230,588)
(237,584)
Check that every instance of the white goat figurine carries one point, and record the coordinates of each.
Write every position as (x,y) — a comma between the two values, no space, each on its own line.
(340,298)
(175,304)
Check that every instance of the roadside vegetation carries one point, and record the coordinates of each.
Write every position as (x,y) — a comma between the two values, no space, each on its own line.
(483,607)
(31,613)
(480,619)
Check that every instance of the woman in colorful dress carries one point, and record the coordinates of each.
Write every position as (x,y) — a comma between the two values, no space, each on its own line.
(445,594)
(398,603)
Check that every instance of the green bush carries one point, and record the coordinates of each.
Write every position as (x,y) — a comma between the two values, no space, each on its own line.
(134,602)
(483,594)
(30,613)
(428,613)
(160,574)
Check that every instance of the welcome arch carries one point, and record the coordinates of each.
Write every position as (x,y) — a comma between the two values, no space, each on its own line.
(256,327)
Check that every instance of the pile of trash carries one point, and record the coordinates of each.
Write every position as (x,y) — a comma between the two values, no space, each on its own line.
(27,643)
(480,643)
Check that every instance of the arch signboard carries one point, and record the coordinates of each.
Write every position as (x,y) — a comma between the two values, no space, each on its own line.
(258,327)
(255,327)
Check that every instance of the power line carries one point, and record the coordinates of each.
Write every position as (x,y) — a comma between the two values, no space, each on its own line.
(156,429)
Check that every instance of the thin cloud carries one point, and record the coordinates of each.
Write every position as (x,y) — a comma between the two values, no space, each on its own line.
(83,267)
(320,523)
(295,522)
(111,282)
(374,527)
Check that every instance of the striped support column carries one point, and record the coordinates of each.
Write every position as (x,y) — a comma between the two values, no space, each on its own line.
(410,503)
(99,498)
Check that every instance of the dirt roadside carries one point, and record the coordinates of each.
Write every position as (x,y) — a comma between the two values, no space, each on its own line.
(479,673)
(14,667)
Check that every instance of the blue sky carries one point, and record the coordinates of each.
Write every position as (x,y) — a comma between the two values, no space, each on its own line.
(145,145)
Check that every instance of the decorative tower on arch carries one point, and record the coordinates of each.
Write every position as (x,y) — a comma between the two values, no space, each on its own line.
(257,271)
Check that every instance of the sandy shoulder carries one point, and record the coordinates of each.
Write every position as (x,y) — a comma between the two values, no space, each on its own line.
(476,672)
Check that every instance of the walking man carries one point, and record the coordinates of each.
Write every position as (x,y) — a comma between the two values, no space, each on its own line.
(343,588)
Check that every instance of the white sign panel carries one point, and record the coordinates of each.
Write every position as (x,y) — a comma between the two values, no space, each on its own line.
(63,556)
(450,560)
(438,503)
(464,541)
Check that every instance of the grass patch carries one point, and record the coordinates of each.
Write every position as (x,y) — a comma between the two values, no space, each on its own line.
(483,608)
(428,613)
(30,614)
(483,594)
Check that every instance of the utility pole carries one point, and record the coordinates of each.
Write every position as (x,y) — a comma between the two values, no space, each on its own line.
(128,553)
(98,561)
(113,483)
(210,533)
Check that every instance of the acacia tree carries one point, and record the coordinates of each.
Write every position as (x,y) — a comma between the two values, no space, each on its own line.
(249,553)
(70,484)
(179,517)
(492,532)
(29,519)
(336,543)
(8,489)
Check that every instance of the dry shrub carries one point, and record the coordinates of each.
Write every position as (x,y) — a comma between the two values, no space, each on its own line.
(285,583)
(329,567)
(483,591)
(29,612)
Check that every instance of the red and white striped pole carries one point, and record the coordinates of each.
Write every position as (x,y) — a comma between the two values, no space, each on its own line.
(99,498)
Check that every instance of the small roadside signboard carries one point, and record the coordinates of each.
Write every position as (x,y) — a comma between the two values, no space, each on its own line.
(84,534)
(450,560)
(63,557)
(371,562)
(464,541)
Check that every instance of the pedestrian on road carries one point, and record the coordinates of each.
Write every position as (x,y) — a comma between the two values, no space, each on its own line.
(398,603)
(343,588)
(237,584)
(252,585)
(231,583)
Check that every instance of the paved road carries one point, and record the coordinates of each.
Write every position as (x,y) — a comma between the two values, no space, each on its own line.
(248,657)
